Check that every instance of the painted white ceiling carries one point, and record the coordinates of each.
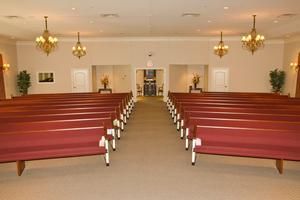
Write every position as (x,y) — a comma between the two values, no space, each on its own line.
(144,18)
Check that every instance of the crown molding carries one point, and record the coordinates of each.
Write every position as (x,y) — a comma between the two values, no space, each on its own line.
(7,41)
(293,39)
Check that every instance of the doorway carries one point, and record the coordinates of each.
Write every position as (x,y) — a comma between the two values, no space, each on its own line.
(150,82)
(119,77)
(181,77)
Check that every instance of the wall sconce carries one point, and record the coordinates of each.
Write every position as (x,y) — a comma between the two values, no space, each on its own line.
(294,66)
(5,67)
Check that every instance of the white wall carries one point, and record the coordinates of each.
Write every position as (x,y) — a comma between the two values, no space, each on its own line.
(119,77)
(178,78)
(159,77)
(247,72)
(291,50)
(140,77)
(122,78)
(9,55)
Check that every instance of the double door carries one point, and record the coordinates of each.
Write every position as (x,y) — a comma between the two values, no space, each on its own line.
(150,89)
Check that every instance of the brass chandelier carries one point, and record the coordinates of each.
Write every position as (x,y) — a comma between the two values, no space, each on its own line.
(46,42)
(221,49)
(253,41)
(78,50)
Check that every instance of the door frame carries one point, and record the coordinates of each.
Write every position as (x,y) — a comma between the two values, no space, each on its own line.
(2,81)
(87,76)
(297,92)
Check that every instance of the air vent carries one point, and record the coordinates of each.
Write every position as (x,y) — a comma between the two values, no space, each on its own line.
(286,15)
(190,15)
(109,15)
(13,17)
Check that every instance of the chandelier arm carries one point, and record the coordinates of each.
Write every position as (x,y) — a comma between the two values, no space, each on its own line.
(221,36)
(46,23)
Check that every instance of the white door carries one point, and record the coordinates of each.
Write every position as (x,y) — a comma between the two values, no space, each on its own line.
(220,80)
(80,80)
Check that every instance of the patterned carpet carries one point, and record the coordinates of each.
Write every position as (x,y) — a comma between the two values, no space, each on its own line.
(151,164)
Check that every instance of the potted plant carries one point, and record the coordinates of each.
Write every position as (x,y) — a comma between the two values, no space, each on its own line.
(23,82)
(277,79)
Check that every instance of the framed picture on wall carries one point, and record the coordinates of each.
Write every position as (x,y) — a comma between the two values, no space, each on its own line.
(45,77)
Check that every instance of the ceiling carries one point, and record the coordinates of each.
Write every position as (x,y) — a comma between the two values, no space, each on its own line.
(148,18)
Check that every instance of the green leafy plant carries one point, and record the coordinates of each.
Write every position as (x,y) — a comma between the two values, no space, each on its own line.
(23,82)
(277,79)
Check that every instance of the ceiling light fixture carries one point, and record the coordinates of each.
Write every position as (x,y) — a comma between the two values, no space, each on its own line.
(253,41)
(78,50)
(190,15)
(221,49)
(46,42)
(109,15)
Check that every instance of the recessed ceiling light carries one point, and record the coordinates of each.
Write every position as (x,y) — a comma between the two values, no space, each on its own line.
(190,15)
(91,21)
(275,21)
(73,8)
(209,21)
(226,7)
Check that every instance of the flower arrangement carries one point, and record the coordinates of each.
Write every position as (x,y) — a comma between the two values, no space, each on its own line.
(105,81)
(196,78)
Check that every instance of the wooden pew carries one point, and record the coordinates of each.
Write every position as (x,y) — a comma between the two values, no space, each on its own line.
(65,111)
(247,142)
(187,112)
(51,140)
(239,118)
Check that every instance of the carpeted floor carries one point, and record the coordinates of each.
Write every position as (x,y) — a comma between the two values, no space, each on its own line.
(151,164)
